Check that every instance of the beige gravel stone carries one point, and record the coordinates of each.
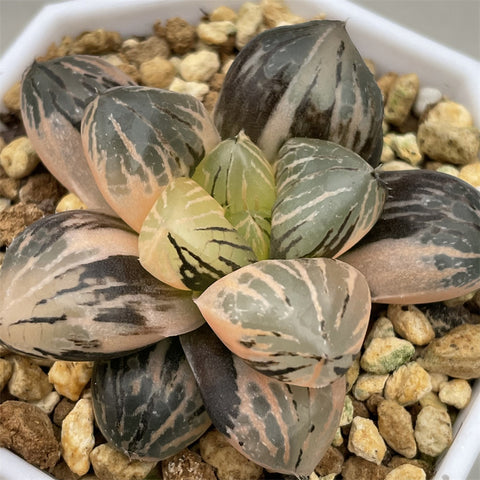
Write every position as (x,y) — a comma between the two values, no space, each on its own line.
(180,34)
(382,328)
(337,438)
(228,462)
(216,33)
(11,99)
(28,381)
(347,412)
(138,52)
(199,66)
(471,174)
(433,431)
(368,384)
(387,153)
(357,468)
(411,324)
(110,464)
(385,83)
(197,89)
(6,371)
(406,472)
(157,72)
(384,355)
(276,13)
(396,427)
(97,42)
(431,399)
(223,13)
(408,384)
(249,22)
(449,170)
(70,378)
(352,374)
(400,99)
(187,465)
(450,112)
(397,165)
(70,202)
(77,438)
(406,148)
(18,158)
(437,379)
(365,441)
(456,392)
(48,403)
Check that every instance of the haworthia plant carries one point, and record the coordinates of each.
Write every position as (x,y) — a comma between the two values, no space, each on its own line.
(147,404)
(328,198)
(300,321)
(283,427)
(305,80)
(54,96)
(137,139)
(187,242)
(71,288)
(426,245)
(238,176)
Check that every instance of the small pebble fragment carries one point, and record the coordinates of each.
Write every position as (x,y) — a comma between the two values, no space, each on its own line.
(97,42)
(249,21)
(411,324)
(450,112)
(408,384)
(433,431)
(331,463)
(449,169)
(196,89)
(18,158)
(456,392)
(426,96)
(77,438)
(277,13)
(187,465)
(11,98)
(157,72)
(199,66)
(456,354)
(396,165)
(406,148)
(223,13)
(347,412)
(357,468)
(432,399)
(437,379)
(48,402)
(70,202)
(352,374)
(471,174)
(228,462)
(70,378)
(9,188)
(400,99)
(365,441)
(367,384)
(381,328)
(385,83)
(28,381)
(396,427)
(387,153)
(216,33)
(6,370)
(338,438)
(137,52)
(406,472)
(384,355)
(180,35)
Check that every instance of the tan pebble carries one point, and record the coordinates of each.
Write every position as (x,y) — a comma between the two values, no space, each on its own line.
(249,22)
(11,98)
(396,427)
(186,464)
(387,153)
(381,328)
(70,202)
(397,165)
(331,462)
(77,438)
(431,398)
(373,401)
(110,464)
(18,158)
(437,379)
(433,431)
(446,143)
(180,34)
(223,13)
(367,384)
(196,89)
(137,52)
(9,187)
(449,170)
(384,355)
(400,99)
(157,72)
(347,412)
(385,83)
(450,112)
(352,374)
(411,323)
(406,472)
(356,468)
(471,174)
(228,462)
(365,441)
(28,381)
(6,370)
(456,392)
(15,218)
(277,13)
(408,384)
(457,353)
(406,148)
(199,66)
(216,33)
(48,403)
(70,378)
(426,97)
(97,42)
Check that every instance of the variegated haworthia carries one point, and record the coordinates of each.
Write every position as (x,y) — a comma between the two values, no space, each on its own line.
(305,80)
(238,176)
(54,96)
(283,427)
(187,242)
(147,404)
(328,198)
(300,321)
(426,245)
(137,139)
(71,288)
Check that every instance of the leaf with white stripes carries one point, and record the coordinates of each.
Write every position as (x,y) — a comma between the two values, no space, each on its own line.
(187,242)
(71,288)
(137,139)
(147,404)
(328,198)
(300,321)
(304,80)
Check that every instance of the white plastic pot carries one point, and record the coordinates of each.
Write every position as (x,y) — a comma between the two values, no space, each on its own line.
(390,46)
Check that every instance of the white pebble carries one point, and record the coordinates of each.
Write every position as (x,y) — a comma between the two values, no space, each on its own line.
(18,158)
(456,392)
(199,66)
(250,18)
(48,403)
(196,89)
(426,96)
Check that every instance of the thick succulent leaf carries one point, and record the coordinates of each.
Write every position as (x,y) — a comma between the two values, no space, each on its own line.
(305,80)
(54,96)
(300,321)
(328,198)
(187,242)
(71,288)
(137,139)
(426,245)
(283,427)
(147,404)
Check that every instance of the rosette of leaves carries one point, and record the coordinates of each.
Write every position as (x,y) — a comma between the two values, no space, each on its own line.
(264,342)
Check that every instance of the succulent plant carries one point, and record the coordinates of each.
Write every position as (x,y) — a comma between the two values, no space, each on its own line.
(203,282)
